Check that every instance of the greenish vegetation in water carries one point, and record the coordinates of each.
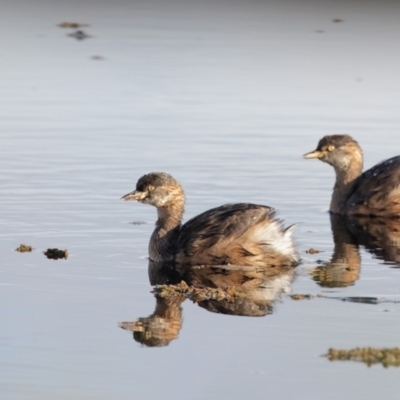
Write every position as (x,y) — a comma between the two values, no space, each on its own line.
(367,355)
(196,294)
(298,296)
(307,296)
(23,248)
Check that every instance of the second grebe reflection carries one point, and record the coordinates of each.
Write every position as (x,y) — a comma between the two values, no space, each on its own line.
(380,236)
(260,287)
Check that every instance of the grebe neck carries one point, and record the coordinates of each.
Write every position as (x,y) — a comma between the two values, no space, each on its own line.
(345,179)
(162,246)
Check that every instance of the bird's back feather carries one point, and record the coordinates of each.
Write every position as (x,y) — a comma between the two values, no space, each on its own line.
(236,234)
(377,191)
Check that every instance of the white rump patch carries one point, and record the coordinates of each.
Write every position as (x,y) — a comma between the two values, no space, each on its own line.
(276,237)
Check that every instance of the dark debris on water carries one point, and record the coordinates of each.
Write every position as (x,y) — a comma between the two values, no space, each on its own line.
(79,35)
(55,254)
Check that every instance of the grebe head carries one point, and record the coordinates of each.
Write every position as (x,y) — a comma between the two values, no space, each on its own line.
(157,189)
(340,151)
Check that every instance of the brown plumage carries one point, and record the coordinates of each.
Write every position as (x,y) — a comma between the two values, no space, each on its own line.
(376,192)
(232,234)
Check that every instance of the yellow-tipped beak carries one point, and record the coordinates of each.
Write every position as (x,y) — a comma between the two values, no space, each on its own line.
(314,154)
(134,196)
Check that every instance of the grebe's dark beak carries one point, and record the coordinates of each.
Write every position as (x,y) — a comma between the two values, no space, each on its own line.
(134,196)
(314,154)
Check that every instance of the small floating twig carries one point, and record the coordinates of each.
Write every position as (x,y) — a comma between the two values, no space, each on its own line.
(72,25)
(352,299)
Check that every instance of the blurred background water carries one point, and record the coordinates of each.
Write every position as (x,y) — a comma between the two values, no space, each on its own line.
(226,96)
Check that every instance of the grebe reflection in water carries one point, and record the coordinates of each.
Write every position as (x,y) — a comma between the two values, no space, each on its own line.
(379,236)
(259,289)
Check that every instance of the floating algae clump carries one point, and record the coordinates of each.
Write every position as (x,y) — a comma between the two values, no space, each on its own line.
(23,248)
(312,251)
(74,25)
(55,254)
(367,355)
(196,294)
(308,296)
(299,296)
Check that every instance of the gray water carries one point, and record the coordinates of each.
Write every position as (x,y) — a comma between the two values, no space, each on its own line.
(226,96)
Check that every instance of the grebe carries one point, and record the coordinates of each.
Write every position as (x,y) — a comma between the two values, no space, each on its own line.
(232,234)
(375,192)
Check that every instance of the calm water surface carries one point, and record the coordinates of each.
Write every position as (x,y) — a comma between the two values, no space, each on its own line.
(225,96)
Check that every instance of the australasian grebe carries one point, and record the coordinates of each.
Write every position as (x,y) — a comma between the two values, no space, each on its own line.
(235,234)
(375,192)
